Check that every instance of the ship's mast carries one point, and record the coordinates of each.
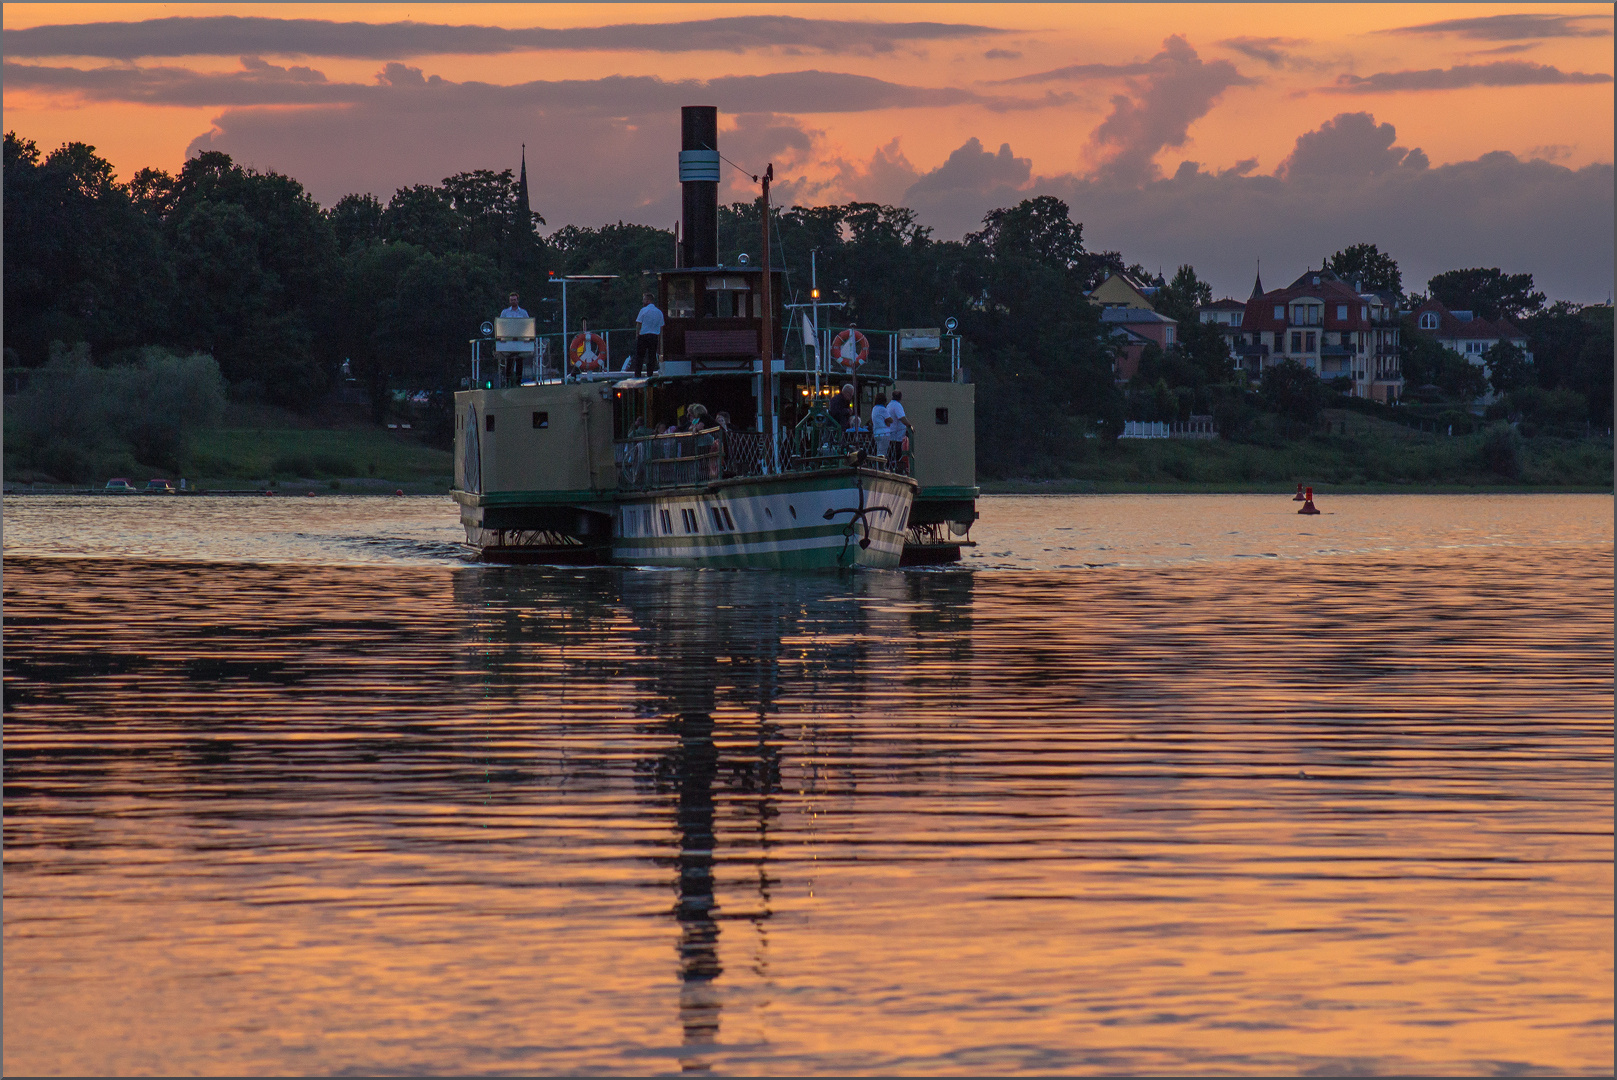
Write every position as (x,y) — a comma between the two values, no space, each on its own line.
(766,381)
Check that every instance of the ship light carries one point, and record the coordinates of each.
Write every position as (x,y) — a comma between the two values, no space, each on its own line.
(814,294)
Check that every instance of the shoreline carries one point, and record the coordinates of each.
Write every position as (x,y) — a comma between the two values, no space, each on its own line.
(1093,487)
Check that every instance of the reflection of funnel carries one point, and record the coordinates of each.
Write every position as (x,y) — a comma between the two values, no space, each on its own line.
(696,763)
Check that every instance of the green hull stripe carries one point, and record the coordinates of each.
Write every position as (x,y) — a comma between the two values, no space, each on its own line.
(531,498)
(950,493)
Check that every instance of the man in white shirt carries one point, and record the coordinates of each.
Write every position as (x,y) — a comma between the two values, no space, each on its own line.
(650,327)
(512,310)
(879,428)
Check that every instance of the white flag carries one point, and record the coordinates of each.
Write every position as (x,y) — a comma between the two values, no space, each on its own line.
(808,332)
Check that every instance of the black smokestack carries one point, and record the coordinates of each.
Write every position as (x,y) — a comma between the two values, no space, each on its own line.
(699,177)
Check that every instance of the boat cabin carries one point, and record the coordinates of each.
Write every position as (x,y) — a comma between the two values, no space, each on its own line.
(715,318)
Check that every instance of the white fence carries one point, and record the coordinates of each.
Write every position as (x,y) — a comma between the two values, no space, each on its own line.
(1197,427)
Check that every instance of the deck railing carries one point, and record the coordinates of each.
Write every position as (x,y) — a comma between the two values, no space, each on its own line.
(691,459)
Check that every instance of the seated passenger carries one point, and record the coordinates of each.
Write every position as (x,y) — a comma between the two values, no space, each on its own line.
(841,408)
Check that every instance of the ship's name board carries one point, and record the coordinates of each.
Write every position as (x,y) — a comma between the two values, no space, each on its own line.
(929,339)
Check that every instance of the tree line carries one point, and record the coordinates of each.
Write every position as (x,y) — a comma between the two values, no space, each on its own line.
(245,267)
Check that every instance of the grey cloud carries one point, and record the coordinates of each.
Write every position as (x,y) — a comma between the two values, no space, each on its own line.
(1079,73)
(1500,73)
(1002,54)
(1506,50)
(1159,110)
(971,168)
(616,95)
(231,35)
(1494,211)
(1350,144)
(1513,27)
(1273,51)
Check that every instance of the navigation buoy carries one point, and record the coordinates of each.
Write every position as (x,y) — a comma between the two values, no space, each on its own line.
(1299,496)
(310,494)
(1308,503)
(850,349)
(399,492)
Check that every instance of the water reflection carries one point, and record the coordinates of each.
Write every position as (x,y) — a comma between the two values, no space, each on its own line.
(283,818)
(700,659)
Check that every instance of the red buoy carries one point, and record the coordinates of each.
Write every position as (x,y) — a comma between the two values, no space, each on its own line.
(1299,495)
(400,491)
(1308,503)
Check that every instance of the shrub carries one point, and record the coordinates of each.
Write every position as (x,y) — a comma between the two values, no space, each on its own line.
(74,418)
(1501,454)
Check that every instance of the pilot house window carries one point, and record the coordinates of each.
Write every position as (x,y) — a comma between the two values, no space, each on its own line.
(681,298)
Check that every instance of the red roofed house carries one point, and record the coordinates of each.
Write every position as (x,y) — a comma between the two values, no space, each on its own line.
(1330,328)
(1468,334)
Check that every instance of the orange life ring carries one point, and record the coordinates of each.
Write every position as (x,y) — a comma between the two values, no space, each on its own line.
(850,358)
(595,359)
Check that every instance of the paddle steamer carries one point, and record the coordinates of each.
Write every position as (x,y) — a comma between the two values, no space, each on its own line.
(555,461)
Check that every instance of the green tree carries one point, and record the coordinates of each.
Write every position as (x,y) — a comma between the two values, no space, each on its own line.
(1293,391)
(1367,265)
(84,262)
(1508,368)
(1183,295)
(356,219)
(1490,292)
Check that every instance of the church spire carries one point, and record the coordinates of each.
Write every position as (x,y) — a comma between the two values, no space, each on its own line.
(1257,282)
(522,186)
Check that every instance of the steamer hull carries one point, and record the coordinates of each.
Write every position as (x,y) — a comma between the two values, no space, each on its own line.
(833,519)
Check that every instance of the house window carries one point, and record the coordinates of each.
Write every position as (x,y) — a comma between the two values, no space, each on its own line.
(1280,312)
(1296,342)
(1341,312)
(1364,311)
(1235,319)
(1311,342)
(1167,335)
(1428,320)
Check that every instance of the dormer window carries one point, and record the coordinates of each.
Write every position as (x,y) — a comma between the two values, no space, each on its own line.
(1280,312)
(1428,320)
(1341,313)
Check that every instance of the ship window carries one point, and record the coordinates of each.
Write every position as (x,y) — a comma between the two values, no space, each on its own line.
(729,522)
(691,521)
(718,522)
(942,416)
(757,305)
(541,419)
(488,422)
(724,304)
(681,298)
(668,523)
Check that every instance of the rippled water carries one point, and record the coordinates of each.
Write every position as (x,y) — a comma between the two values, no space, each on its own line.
(1153,784)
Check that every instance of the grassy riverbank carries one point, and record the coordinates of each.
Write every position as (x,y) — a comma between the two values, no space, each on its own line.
(356,457)
(1361,454)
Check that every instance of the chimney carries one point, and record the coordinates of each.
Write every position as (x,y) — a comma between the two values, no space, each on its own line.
(699,179)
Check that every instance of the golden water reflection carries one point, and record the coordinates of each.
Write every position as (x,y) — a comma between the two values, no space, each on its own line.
(314,819)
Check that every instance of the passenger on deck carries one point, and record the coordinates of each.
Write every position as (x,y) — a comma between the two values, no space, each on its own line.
(650,327)
(879,428)
(640,430)
(511,363)
(841,408)
(512,309)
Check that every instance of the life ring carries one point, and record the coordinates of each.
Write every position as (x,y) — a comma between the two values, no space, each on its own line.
(850,349)
(588,351)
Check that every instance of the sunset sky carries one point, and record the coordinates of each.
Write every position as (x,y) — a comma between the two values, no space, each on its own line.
(1451,135)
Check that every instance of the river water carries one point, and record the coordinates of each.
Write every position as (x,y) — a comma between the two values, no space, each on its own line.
(1149,784)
